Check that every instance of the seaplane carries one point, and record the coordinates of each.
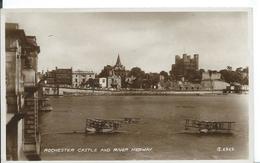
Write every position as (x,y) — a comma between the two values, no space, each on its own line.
(107,125)
(209,126)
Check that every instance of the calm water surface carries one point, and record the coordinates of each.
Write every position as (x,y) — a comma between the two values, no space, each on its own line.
(161,127)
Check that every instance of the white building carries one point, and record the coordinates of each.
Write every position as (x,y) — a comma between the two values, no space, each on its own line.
(80,78)
(103,82)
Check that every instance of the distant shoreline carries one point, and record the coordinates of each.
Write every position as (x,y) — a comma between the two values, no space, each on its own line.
(81,92)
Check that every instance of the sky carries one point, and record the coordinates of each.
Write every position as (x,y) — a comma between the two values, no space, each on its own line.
(149,40)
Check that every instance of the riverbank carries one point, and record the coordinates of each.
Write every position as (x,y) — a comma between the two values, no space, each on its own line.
(142,93)
(100,92)
(137,93)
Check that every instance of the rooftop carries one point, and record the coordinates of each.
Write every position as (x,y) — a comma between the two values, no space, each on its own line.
(82,72)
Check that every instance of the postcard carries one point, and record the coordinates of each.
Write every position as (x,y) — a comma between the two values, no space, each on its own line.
(89,85)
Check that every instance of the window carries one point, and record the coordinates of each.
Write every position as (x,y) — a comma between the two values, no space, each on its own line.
(76,80)
(103,80)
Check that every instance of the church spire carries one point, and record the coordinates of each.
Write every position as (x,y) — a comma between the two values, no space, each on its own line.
(118,65)
(118,62)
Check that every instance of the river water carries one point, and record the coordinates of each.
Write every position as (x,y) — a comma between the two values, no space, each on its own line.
(159,133)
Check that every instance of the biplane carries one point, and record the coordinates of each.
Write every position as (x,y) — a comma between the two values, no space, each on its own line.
(107,125)
(209,126)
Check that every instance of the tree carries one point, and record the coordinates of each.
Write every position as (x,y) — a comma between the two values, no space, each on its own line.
(239,69)
(90,82)
(146,84)
(139,75)
(153,79)
(165,75)
(93,83)
(136,72)
(231,76)
(106,71)
(245,70)
(82,84)
(245,81)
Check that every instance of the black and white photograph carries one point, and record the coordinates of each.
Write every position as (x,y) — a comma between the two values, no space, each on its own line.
(127,85)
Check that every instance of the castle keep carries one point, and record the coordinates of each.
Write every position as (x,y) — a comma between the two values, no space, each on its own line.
(184,65)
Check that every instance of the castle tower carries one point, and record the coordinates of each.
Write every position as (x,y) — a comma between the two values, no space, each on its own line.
(196,59)
(185,57)
(177,59)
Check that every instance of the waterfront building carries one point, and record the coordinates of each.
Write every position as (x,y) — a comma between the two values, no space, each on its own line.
(60,77)
(80,78)
(15,39)
(184,65)
(49,77)
(185,86)
(114,81)
(22,130)
(103,82)
(63,76)
(212,81)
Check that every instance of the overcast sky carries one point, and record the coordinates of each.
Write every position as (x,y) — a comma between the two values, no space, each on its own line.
(89,41)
